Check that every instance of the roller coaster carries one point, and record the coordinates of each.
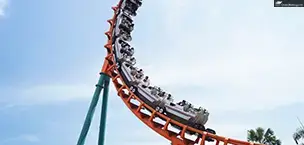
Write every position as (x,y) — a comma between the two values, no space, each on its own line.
(148,103)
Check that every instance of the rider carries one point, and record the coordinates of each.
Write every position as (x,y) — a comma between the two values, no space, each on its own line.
(130,51)
(162,93)
(153,90)
(130,61)
(127,50)
(182,103)
(123,35)
(132,6)
(137,2)
(146,82)
(170,97)
(123,43)
(126,25)
(139,74)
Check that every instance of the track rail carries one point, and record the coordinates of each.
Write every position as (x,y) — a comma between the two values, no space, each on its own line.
(110,68)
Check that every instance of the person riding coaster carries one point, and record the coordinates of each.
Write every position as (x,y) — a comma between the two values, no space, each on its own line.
(201,114)
(131,7)
(126,16)
(154,90)
(188,107)
(126,25)
(182,103)
(120,33)
(130,61)
(138,75)
(127,51)
(126,48)
(123,43)
(146,82)
(162,101)
(137,2)
(125,36)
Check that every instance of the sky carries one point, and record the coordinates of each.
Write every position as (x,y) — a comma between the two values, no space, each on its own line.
(242,60)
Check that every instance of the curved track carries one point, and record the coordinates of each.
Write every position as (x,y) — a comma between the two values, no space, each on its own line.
(177,138)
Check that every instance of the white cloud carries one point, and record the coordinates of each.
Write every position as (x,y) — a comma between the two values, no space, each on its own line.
(24,137)
(3,5)
(30,138)
(54,93)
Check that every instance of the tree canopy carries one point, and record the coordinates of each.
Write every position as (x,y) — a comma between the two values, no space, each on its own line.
(260,136)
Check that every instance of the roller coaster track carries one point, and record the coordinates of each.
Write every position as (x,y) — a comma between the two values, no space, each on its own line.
(110,69)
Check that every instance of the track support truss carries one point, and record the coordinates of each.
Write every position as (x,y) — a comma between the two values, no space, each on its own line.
(103,83)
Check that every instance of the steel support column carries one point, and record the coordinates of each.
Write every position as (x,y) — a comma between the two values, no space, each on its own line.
(103,82)
(103,116)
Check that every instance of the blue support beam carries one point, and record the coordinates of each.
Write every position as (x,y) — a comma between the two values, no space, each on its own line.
(103,116)
(103,82)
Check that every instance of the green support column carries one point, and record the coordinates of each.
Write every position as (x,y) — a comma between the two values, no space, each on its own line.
(103,116)
(90,114)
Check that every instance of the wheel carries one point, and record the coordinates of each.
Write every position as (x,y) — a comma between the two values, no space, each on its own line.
(157,108)
(132,89)
(161,110)
(209,139)
(210,131)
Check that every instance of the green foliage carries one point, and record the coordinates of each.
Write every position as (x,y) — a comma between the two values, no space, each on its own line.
(260,136)
(299,134)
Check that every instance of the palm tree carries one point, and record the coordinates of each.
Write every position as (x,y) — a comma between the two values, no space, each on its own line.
(299,134)
(260,136)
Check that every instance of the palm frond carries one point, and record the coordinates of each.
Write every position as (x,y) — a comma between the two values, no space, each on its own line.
(278,142)
(251,135)
(268,136)
(260,134)
(298,135)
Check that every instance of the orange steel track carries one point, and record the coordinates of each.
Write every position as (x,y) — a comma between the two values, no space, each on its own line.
(110,68)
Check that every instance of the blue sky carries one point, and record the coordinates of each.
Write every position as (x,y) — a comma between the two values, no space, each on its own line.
(245,60)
